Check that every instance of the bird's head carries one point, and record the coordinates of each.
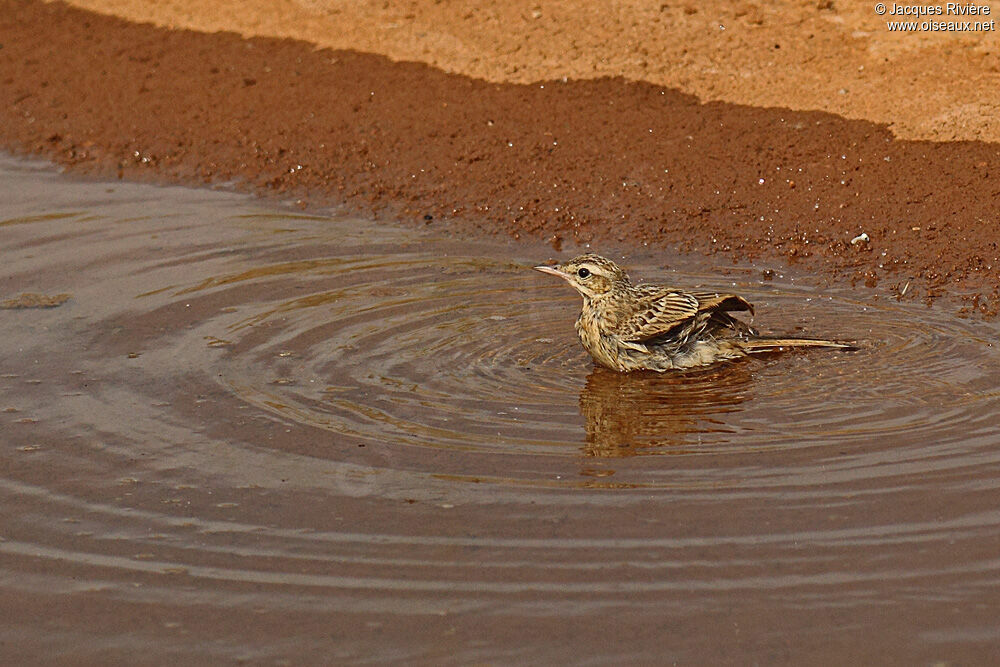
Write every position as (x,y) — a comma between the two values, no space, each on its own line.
(592,275)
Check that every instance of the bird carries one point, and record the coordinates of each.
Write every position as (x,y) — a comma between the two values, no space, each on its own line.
(628,327)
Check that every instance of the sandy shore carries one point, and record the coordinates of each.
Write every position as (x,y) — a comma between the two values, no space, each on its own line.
(807,55)
(638,157)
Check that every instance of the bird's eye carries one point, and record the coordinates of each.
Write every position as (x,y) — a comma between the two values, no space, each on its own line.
(583,273)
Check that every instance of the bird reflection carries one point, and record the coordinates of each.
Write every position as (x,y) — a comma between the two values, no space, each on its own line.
(659,413)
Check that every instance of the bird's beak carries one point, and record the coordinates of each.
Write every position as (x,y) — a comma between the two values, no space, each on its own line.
(551,270)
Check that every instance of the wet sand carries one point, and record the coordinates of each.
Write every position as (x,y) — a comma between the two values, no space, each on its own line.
(256,435)
(823,56)
(584,160)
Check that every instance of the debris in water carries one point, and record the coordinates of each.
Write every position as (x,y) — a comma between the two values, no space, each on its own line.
(33,300)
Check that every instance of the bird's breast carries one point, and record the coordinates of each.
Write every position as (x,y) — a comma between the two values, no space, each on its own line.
(597,341)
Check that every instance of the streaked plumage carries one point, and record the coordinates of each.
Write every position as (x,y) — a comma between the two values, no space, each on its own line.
(629,327)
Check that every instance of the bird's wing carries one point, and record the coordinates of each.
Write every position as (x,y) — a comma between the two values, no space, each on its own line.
(657,313)
(716,301)
(664,312)
(714,309)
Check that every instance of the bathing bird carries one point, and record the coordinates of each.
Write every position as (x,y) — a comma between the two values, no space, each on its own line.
(628,327)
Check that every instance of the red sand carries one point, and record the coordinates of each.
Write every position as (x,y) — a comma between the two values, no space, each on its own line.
(818,55)
(598,159)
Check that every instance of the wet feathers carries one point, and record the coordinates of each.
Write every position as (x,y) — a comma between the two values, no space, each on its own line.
(629,327)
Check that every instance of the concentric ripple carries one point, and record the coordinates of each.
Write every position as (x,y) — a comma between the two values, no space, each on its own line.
(242,411)
(416,350)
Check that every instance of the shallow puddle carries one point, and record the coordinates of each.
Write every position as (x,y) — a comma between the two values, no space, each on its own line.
(251,433)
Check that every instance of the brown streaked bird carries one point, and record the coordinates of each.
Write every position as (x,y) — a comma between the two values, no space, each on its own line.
(628,327)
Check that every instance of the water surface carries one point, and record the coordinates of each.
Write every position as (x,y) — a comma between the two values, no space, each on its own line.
(256,434)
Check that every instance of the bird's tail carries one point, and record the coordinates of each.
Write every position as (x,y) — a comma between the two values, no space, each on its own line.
(758,345)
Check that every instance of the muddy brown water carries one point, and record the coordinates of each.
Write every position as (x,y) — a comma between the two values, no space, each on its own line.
(253,434)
